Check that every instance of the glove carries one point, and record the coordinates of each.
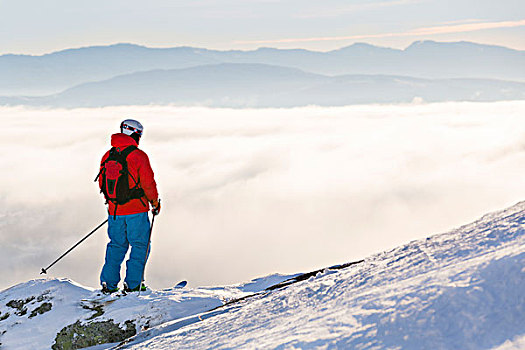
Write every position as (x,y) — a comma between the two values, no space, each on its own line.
(156,206)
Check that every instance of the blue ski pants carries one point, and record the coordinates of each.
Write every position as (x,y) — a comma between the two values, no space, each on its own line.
(123,231)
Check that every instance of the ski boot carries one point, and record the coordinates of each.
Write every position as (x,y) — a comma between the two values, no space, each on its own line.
(106,290)
(141,287)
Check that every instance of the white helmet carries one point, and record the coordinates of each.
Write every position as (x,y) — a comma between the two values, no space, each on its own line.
(130,126)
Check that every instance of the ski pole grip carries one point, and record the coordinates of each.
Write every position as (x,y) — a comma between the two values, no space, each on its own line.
(156,209)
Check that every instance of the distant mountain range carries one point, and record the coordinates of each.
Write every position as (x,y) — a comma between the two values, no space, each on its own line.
(361,73)
(258,85)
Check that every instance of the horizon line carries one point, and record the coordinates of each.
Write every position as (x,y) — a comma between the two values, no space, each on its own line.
(258,48)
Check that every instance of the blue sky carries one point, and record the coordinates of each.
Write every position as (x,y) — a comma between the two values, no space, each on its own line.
(36,27)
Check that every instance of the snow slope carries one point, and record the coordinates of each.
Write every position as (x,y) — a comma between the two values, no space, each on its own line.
(23,328)
(459,290)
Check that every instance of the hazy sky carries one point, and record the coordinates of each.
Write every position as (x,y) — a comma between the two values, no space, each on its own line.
(252,192)
(36,26)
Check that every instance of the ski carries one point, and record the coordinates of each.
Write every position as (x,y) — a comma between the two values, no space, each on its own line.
(181,284)
(101,298)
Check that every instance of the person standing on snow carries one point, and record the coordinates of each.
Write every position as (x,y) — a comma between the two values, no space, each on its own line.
(128,184)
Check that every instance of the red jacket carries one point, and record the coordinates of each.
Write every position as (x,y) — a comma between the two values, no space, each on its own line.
(140,169)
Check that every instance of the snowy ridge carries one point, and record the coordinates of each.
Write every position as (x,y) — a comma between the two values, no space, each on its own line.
(458,290)
(21,327)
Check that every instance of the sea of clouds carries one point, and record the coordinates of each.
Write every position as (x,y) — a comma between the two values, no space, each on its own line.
(249,192)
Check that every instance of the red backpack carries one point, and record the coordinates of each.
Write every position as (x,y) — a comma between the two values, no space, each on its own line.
(115,178)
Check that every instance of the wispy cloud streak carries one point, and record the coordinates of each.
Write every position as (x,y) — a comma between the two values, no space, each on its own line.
(425,31)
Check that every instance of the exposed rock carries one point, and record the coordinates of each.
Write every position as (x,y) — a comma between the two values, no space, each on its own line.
(77,335)
(45,307)
(20,305)
(99,310)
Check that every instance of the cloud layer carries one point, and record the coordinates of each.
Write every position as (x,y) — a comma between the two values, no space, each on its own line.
(252,192)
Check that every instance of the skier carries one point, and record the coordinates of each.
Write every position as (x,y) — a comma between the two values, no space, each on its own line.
(128,183)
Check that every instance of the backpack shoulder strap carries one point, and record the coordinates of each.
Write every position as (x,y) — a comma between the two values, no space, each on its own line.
(124,157)
(125,153)
(116,154)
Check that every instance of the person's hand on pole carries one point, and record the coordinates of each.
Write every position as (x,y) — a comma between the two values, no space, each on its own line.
(156,206)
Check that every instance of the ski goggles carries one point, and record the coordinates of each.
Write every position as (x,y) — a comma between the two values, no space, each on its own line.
(132,129)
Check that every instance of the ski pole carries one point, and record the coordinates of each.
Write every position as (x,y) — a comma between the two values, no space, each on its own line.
(147,250)
(73,247)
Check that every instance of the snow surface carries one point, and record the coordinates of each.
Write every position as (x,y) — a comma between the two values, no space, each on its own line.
(150,308)
(459,290)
